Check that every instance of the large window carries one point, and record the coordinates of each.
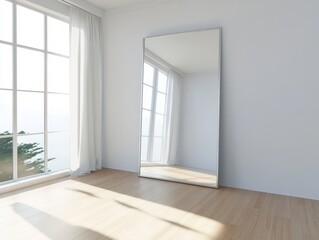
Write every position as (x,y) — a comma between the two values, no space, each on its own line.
(154,114)
(34,92)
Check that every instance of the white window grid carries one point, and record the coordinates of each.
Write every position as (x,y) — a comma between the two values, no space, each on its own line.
(14,89)
(153,112)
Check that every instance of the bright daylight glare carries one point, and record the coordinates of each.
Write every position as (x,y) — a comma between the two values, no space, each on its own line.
(41,92)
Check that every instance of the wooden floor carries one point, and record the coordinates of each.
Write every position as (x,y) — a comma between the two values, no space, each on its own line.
(112,204)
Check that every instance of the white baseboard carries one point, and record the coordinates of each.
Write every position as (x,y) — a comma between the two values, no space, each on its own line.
(20,184)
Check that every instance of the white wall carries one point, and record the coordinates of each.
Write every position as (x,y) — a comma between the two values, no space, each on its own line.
(198,127)
(269,98)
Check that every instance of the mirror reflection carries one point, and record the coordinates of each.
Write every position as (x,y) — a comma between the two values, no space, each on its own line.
(180,108)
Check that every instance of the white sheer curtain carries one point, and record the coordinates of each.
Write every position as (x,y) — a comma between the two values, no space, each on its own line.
(171,124)
(85,92)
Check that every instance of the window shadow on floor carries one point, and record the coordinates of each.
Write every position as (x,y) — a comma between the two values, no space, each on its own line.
(54,228)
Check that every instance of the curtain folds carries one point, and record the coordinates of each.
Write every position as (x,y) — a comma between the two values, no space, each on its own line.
(171,124)
(86,74)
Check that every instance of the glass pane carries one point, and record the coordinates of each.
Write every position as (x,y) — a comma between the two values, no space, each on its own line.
(157,149)
(148,74)
(30,70)
(6,159)
(58,74)
(58,112)
(30,155)
(159,122)
(5,65)
(5,21)
(147,97)
(58,151)
(58,36)
(160,103)
(30,28)
(144,148)
(146,118)
(6,111)
(30,110)
(162,82)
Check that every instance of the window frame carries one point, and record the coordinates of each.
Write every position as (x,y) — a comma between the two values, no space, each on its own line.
(157,68)
(14,90)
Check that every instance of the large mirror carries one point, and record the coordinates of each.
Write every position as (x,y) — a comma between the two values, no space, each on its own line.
(180,107)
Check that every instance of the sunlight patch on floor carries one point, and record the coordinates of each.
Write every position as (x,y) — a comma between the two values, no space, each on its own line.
(79,211)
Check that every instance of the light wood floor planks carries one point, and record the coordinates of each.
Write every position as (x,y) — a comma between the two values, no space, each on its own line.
(112,204)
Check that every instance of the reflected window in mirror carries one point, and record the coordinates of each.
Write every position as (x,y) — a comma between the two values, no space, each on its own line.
(156,113)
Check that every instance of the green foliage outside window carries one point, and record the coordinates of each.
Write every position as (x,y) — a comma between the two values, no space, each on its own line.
(28,164)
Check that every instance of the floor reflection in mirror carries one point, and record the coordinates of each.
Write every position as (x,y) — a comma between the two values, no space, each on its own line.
(188,175)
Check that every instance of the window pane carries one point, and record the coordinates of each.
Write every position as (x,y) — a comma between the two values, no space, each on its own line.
(58,151)
(144,148)
(159,122)
(160,103)
(58,74)
(30,110)
(30,155)
(58,36)
(5,65)
(146,118)
(30,70)
(5,21)
(6,111)
(30,28)
(157,149)
(147,97)
(148,74)
(58,112)
(162,82)
(6,159)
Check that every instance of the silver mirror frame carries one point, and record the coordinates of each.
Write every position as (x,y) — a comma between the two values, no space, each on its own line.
(218,105)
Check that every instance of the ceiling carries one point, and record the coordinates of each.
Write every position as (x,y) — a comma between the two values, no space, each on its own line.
(108,4)
(189,53)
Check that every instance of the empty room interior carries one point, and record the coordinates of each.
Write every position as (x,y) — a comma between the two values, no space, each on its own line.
(159,119)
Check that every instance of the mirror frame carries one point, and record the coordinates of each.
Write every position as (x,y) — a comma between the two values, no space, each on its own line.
(218,105)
